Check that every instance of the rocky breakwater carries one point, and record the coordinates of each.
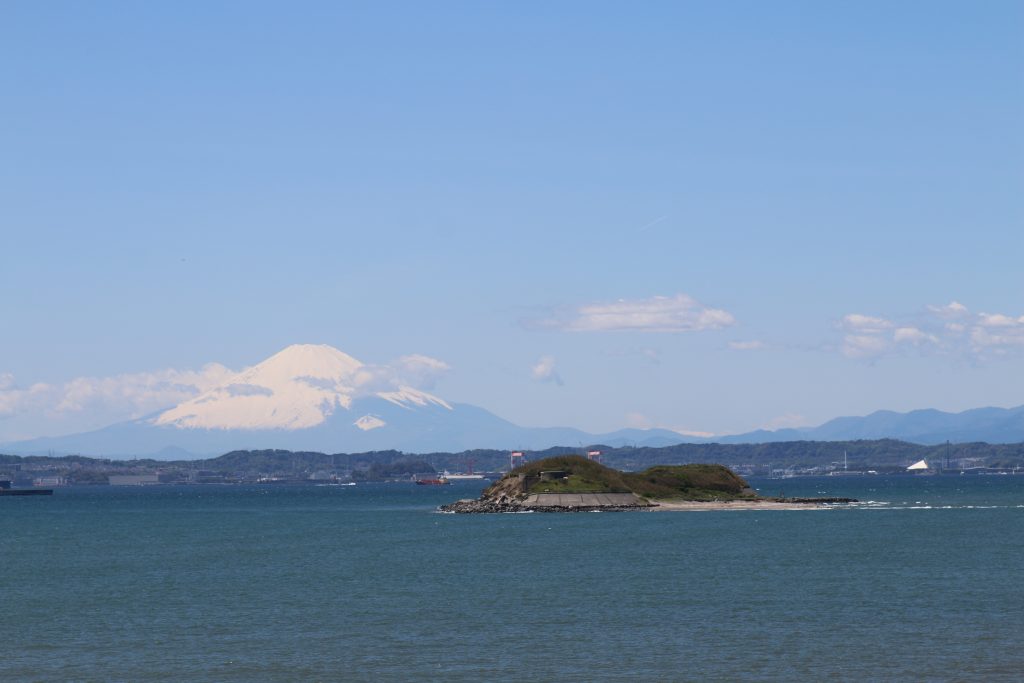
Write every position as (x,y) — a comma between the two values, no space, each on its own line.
(482,505)
(551,502)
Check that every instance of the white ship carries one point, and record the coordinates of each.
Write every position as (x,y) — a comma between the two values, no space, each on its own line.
(456,477)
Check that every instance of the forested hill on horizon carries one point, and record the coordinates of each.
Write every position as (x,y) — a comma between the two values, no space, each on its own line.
(884,455)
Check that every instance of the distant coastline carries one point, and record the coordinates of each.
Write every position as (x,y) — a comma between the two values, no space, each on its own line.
(775,460)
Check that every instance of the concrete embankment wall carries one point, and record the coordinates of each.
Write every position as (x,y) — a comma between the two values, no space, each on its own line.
(584,500)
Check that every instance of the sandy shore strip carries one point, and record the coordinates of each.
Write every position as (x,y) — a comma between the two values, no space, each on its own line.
(697,505)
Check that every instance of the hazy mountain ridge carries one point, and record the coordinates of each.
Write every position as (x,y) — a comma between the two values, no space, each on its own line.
(425,429)
(926,426)
(460,427)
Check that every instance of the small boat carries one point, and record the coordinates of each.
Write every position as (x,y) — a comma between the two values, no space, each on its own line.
(920,467)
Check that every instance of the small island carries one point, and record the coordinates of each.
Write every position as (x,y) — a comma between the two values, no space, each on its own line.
(572,483)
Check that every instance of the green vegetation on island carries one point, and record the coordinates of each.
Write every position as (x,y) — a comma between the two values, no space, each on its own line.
(576,474)
(689,482)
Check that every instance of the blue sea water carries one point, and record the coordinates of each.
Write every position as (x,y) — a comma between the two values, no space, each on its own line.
(368,583)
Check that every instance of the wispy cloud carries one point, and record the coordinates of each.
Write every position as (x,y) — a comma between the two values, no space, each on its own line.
(419,371)
(651,224)
(649,354)
(951,328)
(134,394)
(865,323)
(750,345)
(954,309)
(787,421)
(679,313)
(544,371)
(638,420)
(33,409)
(416,371)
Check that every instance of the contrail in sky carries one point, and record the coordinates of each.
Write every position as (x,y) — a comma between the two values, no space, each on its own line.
(652,223)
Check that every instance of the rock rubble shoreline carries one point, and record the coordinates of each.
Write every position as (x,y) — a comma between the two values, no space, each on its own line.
(479,506)
(486,506)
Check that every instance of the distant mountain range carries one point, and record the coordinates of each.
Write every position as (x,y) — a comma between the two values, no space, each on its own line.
(928,427)
(317,398)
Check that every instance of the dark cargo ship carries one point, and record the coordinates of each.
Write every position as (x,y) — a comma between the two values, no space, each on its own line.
(6,490)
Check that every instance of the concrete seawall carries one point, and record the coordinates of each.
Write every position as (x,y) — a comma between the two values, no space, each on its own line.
(585,500)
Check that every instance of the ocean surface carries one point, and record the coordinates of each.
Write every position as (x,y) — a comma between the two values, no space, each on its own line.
(367,583)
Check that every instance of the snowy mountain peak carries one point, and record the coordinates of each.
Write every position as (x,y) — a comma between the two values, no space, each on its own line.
(304,360)
(296,388)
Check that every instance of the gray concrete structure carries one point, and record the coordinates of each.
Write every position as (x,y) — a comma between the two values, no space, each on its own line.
(585,500)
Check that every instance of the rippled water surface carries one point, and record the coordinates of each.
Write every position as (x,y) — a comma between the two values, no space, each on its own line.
(923,581)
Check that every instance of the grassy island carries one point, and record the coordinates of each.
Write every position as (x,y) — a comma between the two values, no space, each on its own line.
(571,483)
(576,474)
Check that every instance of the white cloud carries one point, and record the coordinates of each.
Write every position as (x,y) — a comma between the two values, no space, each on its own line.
(131,395)
(865,323)
(544,370)
(87,403)
(419,371)
(14,400)
(1004,340)
(954,309)
(864,345)
(998,320)
(865,336)
(139,393)
(752,345)
(416,371)
(679,313)
(638,420)
(913,335)
(948,329)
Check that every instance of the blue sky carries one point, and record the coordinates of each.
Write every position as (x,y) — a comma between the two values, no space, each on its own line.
(702,216)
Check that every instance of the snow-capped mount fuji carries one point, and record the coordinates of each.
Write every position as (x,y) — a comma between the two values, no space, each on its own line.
(317,398)
(297,388)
